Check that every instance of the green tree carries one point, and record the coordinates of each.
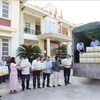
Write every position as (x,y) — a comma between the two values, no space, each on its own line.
(29,50)
(61,51)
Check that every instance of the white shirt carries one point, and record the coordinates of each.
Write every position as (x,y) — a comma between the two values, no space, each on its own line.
(34,64)
(94,43)
(69,62)
(26,71)
(80,47)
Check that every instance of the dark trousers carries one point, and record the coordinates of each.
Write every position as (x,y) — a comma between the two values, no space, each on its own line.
(48,79)
(77,56)
(36,77)
(66,75)
(19,74)
(2,78)
(27,77)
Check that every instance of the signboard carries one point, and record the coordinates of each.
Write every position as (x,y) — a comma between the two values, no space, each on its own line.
(3,70)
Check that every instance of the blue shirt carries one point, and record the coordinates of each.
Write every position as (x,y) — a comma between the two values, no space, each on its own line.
(48,65)
(56,66)
(3,63)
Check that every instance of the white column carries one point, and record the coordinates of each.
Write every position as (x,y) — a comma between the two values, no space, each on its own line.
(69,48)
(42,25)
(48,46)
(41,45)
(21,35)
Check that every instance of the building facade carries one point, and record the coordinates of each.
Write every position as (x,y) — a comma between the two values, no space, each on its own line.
(23,23)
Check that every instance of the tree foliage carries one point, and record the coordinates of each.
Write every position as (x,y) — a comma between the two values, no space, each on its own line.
(28,50)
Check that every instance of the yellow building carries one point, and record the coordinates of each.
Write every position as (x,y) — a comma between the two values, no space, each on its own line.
(23,23)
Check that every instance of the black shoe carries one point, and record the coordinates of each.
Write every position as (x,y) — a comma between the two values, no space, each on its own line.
(59,85)
(3,81)
(68,83)
(34,87)
(48,86)
(28,88)
(65,83)
(22,89)
(0,96)
(53,85)
(39,87)
(42,86)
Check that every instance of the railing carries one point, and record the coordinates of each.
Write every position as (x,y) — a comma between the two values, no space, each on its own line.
(30,31)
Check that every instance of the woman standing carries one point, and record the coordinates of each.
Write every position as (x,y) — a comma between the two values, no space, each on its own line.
(13,82)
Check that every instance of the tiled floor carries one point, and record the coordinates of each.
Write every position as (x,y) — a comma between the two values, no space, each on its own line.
(80,89)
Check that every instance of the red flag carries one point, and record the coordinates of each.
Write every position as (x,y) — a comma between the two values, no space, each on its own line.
(55,14)
(66,31)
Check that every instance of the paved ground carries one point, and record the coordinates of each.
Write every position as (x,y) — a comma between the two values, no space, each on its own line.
(80,89)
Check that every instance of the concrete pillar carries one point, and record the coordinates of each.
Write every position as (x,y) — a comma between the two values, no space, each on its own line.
(14,45)
(21,35)
(69,48)
(42,25)
(48,46)
(41,45)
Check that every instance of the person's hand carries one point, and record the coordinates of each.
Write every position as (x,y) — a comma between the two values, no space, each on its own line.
(81,52)
(34,69)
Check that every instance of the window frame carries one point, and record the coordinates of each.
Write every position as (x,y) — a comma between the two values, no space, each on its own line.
(27,24)
(9,10)
(5,46)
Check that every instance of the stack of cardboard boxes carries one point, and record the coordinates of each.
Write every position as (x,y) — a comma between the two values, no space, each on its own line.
(91,56)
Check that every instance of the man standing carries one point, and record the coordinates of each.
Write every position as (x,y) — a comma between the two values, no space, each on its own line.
(46,72)
(25,73)
(3,63)
(56,71)
(94,42)
(67,70)
(80,49)
(36,73)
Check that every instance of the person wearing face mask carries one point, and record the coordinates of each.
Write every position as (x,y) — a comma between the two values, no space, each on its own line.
(94,42)
(80,49)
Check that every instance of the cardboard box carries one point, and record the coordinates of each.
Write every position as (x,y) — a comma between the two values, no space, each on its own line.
(97,60)
(40,66)
(83,55)
(90,60)
(97,55)
(87,55)
(3,70)
(24,63)
(83,60)
(90,49)
(66,62)
(97,48)
(90,55)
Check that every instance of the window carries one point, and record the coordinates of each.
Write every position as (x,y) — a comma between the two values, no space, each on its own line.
(27,25)
(5,47)
(5,9)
